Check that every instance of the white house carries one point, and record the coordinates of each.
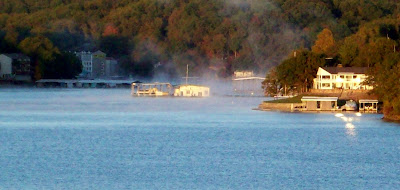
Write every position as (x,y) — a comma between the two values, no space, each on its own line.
(189,90)
(5,66)
(341,78)
(15,66)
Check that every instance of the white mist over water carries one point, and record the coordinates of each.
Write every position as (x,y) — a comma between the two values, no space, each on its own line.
(106,139)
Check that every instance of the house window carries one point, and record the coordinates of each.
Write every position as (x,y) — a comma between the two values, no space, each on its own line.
(326,77)
(354,76)
(333,104)
(342,76)
(318,104)
(187,91)
(326,84)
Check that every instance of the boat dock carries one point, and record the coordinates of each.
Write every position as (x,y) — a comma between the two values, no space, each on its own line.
(151,89)
(79,83)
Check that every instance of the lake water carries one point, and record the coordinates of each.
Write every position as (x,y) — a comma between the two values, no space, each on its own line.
(106,139)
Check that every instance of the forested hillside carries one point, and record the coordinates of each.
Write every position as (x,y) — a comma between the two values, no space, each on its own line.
(217,36)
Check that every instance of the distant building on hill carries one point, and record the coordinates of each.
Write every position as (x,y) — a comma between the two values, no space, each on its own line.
(15,66)
(245,83)
(341,78)
(97,65)
(241,74)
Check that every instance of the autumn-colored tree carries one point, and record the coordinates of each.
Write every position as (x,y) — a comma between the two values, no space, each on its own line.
(48,61)
(109,30)
(325,43)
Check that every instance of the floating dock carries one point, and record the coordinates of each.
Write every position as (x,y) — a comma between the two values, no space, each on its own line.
(78,83)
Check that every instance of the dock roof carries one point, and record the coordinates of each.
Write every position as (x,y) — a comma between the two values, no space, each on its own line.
(367,101)
(316,98)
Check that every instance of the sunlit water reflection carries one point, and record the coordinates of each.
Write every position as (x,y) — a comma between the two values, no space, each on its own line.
(106,139)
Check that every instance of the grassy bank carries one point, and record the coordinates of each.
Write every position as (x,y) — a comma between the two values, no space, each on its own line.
(295,99)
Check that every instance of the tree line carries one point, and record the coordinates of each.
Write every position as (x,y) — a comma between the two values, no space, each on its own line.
(212,36)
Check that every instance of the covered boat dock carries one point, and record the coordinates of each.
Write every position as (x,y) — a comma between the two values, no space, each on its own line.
(368,105)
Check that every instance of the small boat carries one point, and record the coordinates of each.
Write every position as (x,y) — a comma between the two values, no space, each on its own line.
(282,97)
(191,90)
(350,106)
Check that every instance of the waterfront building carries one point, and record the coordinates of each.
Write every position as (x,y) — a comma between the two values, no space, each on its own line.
(15,66)
(313,103)
(341,78)
(151,89)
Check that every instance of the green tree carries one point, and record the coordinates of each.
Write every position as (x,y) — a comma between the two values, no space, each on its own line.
(297,72)
(271,84)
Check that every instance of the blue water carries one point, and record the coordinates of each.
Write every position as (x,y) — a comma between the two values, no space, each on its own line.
(106,139)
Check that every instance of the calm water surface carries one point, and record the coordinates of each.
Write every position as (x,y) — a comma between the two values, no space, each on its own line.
(106,139)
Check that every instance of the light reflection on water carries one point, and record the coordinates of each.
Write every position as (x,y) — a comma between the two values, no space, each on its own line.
(348,120)
(106,139)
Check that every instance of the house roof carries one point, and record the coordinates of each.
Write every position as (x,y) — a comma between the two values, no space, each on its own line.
(191,85)
(99,52)
(355,70)
(16,56)
(250,78)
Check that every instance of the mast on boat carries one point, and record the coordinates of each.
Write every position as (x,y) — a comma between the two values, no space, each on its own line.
(187,73)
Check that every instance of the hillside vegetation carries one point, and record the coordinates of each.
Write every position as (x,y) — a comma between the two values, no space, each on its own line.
(217,36)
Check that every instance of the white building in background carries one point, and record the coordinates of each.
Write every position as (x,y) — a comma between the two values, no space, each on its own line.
(87,62)
(189,90)
(245,83)
(341,78)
